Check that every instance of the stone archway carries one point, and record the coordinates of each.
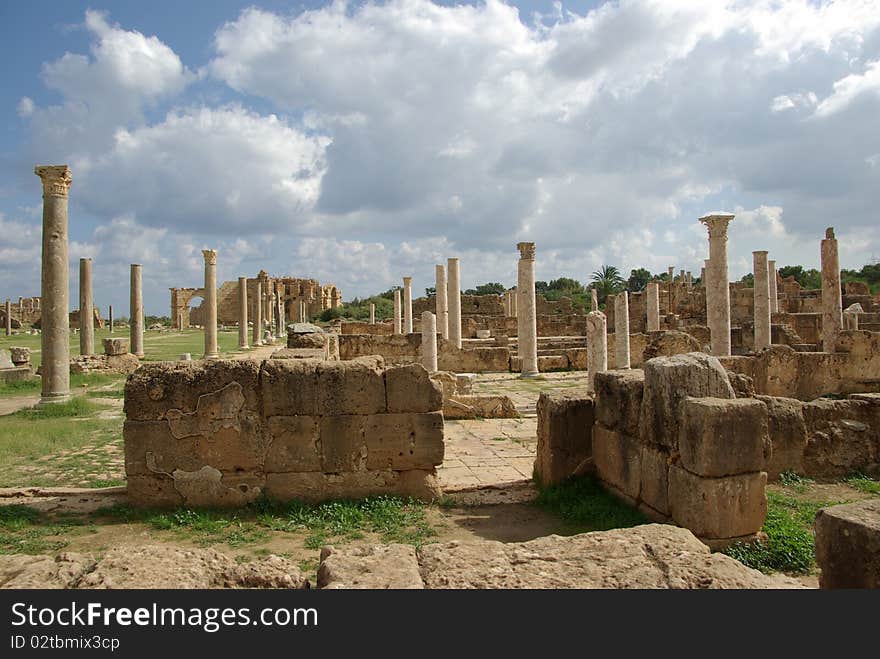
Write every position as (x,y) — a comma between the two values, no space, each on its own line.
(180,305)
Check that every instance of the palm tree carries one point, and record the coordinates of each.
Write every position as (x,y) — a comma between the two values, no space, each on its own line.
(607,281)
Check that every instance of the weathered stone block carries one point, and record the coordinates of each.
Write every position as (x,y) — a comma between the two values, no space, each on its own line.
(668,381)
(343,446)
(404,441)
(617,458)
(577,358)
(654,463)
(788,435)
(840,437)
(115,346)
(410,389)
(718,508)
(848,545)
(294,444)
(722,437)
(372,567)
(619,399)
(289,387)
(351,387)
(548,363)
(20,356)
(565,424)
(154,490)
(416,483)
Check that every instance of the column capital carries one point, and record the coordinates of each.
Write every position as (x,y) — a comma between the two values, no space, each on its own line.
(210,256)
(717,223)
(407,281)
(829,233)
(526,251)
(760,252)
(56,179)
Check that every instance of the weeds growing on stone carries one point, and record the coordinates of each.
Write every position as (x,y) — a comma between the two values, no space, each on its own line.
(863,483)
(582,503)
(795,481)
(23,530)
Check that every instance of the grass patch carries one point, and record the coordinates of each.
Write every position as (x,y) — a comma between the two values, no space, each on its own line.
(23,530)
(795,481)
(209,527)
(863,483)
(584,505)
(75,407)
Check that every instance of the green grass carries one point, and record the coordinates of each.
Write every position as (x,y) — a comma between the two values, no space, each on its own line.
(795,481)
(863,483)
(78,382)
(24,530)
(585,506)
(209,527)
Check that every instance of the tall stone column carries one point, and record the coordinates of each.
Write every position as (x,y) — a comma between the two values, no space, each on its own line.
(429,341)
(718,291)
(242,314)
(594,300)
(597,347)
(372,313)
(453,300)
(136,311)
(774,293)
(398,325)
(527,323)
(86,309)
(832,302)
(514,304)
(407,305)
(442,307)
(110,317)
(211,349)
(8,317)
(653,303)
(621,329)
(258,314)
(703,276)
(671,271)
(761,271)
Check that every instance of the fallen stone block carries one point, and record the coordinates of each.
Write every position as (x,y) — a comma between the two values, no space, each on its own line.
(375,567)
(848,545)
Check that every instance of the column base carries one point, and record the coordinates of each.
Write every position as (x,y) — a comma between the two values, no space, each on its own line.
(215,355)
(139,355)
(530,374)
(244,347)
(51,399)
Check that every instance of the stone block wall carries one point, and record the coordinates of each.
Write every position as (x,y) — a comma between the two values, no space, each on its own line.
(565,444)
(224,432)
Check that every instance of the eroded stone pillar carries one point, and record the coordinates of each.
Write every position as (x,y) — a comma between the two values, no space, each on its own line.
(429,341)
(527,321)
(8,317)
(86,309)
(514,304)
(832,302)
(398,324)
(850,320)
(761,272)
(211,349)
(110,317)
(242,314)
(258,315)
(594,300)
(774,293)
(621,329)
(671,271)
(653,304)
(597,346)
(372,313)
(718,291)
(407,305)
(136,311)
(442,307)
(453,301)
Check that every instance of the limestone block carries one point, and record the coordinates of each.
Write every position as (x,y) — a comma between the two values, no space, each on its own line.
(289,387)
(125,363)
(669,343)
(619,399)
(351,387)
(410,389)
(464,382)
(313,487)
(547,363)
(343,447)
(723,437)
(565,423)
(207,488)
(20,356)
(788,435)
(577,358)
(654,463)
(474,406)
(369,567)
(668,381)
(718,508)
(152,490)
(617,458)
(842,437)
(116,346)
(848,545)
(404,441)
(157,387)
(294,444)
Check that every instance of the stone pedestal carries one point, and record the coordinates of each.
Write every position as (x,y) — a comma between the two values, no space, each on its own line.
(86,309)
(774,293)
(398,321)
(761,270)
(136,311)
(621,329)
(597,347)
(257,336)
(54,284)
(407,305)
(211,349)
(372,313)
(442,307)
(832,302)
(527,320)
(653,303)
(429,341)
(242,314)
(718,291)
(453,300)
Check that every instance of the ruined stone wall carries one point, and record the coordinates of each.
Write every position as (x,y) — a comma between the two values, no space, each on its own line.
(360,327)
(406,349)
(223,432)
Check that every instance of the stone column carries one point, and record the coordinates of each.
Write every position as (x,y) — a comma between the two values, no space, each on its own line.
(718,291)
(211,349)
(761,271)
(429,341)
(397,321)
(136,311)
(703,276)
(372,313)
(850,320)
(527,324)
(832,302)
(688,279)
(597,347)
(86,309)
(621,329)
(594,300)
(8,317)
(774,293)
(110,317)
(514,304)
(258,315)
(407,305)
(55,330)
(453,301)
(671,271)
(653,303)
(442,307)
(242,314)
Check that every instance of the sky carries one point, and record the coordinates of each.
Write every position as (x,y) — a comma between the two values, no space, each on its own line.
(360,142)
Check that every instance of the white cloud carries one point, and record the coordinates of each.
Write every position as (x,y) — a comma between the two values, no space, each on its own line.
(847,89)
(25,107)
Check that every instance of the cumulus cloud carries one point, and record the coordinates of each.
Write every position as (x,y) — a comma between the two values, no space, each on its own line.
(847,89)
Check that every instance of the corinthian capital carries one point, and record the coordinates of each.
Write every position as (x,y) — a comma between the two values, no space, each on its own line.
(56,179)
(526,251)
(210,256)
(717,224)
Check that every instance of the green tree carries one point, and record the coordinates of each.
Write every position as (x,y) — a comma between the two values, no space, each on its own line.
(748,280)
(638,279)
(811,278)
(607,281)
(493,288)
